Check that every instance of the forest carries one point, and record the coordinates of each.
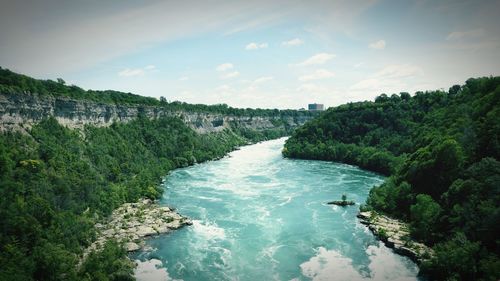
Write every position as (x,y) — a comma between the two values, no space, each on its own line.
(56,183)
(440,151)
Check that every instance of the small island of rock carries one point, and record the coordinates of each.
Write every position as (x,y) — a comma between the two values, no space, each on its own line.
(342,203)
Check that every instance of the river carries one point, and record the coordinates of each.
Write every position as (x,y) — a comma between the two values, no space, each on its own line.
(258,216)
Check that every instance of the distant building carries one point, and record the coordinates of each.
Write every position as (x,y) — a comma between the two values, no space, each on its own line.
(316,107)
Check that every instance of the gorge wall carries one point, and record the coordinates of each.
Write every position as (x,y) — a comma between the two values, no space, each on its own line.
(21,111)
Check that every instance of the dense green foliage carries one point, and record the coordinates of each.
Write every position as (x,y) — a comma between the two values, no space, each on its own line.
(56,183)
(442,151)
(14,83)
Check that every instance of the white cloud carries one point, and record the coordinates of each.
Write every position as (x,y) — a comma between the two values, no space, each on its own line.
(151,270)
(374,84)
(264,79)
(317,75)
(311,88)
(359,64)
(223,88)
(399,71)
(256,46)
(183,78)
(224,66)
(254,22)
(459,35)
(317,59)
(229,75)
(257,82)
(95,35)
(293,42)
(390,79)
(129,72)
(379,45)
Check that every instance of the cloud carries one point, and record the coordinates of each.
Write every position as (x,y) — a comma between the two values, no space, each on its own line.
(88,34)
(183,78)
(474,40)
(379,45)
(254,22)
(399,71)
(223,88)
(224,66)
(311,88)
(391,78)
(293,42)
(264,79)
(317,59)
(256,46)
(358,65)
(317,75)
(257,82)
(129,72)
(459,35)
(229,75)
(151,270)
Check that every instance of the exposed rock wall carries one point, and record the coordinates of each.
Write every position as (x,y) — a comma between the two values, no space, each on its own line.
(18,111)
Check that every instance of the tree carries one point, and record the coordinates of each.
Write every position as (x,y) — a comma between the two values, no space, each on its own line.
(455,259)
(425,215)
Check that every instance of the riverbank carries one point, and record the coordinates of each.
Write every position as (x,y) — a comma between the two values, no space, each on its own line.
(131,223)
(396,235)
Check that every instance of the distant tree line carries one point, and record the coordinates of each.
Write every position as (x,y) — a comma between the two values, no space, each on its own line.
(441,152)
(14,83)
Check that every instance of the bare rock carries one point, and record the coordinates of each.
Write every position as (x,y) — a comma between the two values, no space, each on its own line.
(131,246)
(395,234)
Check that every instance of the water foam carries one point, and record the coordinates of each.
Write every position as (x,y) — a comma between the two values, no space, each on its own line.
(208,231)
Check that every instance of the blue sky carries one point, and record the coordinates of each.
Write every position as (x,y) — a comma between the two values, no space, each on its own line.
(268,54)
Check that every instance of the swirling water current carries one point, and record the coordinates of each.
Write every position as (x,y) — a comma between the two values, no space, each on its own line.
(258,216)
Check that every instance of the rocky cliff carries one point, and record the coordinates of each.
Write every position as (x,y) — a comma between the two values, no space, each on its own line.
(21,111)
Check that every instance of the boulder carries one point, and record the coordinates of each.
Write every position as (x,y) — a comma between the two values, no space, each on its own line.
(145,231)
(131,246)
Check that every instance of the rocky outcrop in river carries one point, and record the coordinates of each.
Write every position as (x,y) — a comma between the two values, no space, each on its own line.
(132,222)
(395,234)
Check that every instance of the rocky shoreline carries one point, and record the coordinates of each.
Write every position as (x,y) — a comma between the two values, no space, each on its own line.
(396,235)
(132,222)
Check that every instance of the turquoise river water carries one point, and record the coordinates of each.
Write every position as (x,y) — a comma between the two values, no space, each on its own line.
(258,216)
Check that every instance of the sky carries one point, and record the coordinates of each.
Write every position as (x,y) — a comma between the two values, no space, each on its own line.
(259,54)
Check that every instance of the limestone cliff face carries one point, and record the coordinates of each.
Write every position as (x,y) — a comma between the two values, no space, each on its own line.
(18,111)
